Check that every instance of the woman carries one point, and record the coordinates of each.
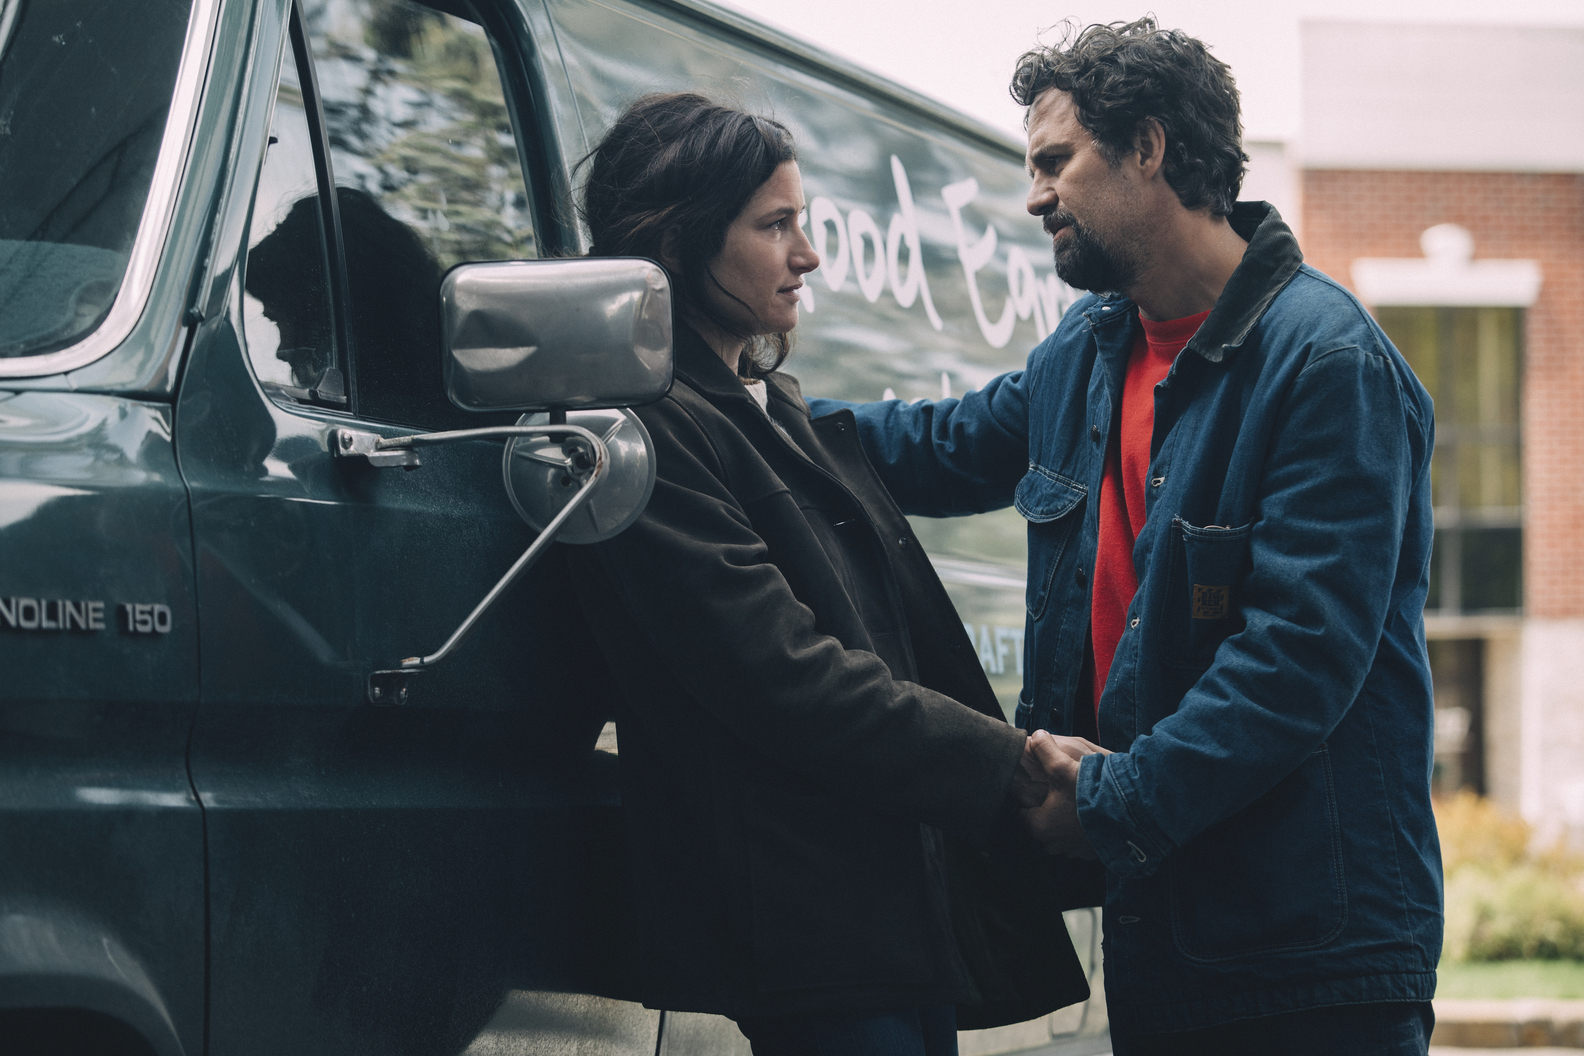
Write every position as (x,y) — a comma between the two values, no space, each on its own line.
(792,741)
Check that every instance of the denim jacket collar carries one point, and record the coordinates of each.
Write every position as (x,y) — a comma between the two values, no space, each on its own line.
(1268,265)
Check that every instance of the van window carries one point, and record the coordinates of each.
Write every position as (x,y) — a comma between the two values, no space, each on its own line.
(427,175)
(85,87)
(286,307)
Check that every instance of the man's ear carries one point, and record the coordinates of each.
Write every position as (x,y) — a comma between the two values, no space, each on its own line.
(668,251)
(1150,140)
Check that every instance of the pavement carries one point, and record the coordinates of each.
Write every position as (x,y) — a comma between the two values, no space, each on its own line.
(1536,1025)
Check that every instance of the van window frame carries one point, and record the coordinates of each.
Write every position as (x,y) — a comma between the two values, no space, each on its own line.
(148,246)
(513,51)
(330,210)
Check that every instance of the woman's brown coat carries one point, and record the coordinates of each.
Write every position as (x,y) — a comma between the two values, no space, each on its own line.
(802,716)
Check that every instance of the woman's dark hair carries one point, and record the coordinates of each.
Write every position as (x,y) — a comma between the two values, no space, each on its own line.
(681,163)
(1120,75)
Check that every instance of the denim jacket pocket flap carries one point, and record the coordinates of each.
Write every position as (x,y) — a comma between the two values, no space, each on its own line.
(1048,502)
(1201,609)
(1043,496)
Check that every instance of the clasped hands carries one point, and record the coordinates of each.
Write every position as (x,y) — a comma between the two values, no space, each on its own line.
(1044,788)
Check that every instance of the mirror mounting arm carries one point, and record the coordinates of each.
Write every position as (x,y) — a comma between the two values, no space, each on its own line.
(587,459)
(385,452)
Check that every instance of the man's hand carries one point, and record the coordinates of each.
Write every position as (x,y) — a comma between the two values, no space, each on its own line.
(1054,821)
(1030,786)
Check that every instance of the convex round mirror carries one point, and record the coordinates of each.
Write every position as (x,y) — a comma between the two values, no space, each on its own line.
(541,477)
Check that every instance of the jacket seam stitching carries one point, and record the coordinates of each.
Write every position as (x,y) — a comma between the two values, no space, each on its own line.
(1035,467)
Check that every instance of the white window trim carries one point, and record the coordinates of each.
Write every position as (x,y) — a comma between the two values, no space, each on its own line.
(1446,276)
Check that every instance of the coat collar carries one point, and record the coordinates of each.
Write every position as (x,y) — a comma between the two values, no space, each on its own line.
(698,367)
(1268,265)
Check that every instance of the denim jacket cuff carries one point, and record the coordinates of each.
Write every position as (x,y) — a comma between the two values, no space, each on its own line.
(1112,816)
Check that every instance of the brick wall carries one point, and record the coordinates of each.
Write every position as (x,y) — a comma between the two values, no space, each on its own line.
(1351,214)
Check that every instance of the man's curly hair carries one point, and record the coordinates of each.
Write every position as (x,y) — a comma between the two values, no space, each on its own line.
(1120,75)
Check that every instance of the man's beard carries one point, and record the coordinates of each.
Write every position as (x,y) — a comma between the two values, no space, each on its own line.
(1084,262)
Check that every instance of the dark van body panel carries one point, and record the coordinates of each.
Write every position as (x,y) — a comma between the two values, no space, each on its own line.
(101,839)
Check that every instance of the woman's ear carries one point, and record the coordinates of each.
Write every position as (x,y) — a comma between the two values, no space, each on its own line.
(668,251)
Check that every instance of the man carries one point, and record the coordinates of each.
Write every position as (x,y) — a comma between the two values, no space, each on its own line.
(1225,466)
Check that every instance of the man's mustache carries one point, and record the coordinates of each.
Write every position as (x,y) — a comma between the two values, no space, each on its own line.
(1055,221)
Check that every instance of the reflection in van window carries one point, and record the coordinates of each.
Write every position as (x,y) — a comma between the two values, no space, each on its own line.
(286,312)
(85,86)
(428,176)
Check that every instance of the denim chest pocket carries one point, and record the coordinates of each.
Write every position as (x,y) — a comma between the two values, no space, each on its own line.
(1051,504)
(1200,607)
(1270,878)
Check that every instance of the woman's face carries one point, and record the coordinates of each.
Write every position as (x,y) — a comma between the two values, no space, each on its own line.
(765,258)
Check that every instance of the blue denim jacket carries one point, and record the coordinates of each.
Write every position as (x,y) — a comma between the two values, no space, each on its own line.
(1265,822)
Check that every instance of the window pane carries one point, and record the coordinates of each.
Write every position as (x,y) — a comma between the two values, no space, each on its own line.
(1488,475)
(1457,669)
(1483,349)
(1413,331)
(84,92)
(286,311)
(1470,360)
(1496,336)
(1492,560)
(427,173)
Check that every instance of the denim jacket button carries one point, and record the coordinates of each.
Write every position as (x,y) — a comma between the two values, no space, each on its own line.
(1094,433)
(1157,482)
(1134,622)
(1138,855)
(1079,575)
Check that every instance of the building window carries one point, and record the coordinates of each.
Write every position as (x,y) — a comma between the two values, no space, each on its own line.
(1457,666)
(1470,359)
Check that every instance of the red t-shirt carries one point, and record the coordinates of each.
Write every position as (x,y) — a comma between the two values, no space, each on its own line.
(1122,487)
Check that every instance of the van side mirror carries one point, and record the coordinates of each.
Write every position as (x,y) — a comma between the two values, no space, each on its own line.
(556,334)
(577,341)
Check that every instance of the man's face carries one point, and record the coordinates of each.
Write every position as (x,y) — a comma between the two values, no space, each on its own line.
(1090,207)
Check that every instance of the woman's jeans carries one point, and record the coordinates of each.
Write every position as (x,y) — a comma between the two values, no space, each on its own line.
(1393,1029)
(913,1032)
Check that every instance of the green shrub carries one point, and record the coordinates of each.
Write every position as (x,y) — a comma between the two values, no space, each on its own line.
(1474,831)
(1523,911)
(1505,901)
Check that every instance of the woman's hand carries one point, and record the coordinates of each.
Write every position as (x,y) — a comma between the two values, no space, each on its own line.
(1031,781)
(1053,821)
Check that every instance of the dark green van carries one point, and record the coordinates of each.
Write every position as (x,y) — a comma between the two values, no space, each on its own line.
(222,228)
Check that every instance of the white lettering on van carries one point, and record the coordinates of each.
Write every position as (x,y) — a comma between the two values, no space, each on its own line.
(824,214)
(862,228)
(974,256)
(905,231)
(997,645)
(876,261)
